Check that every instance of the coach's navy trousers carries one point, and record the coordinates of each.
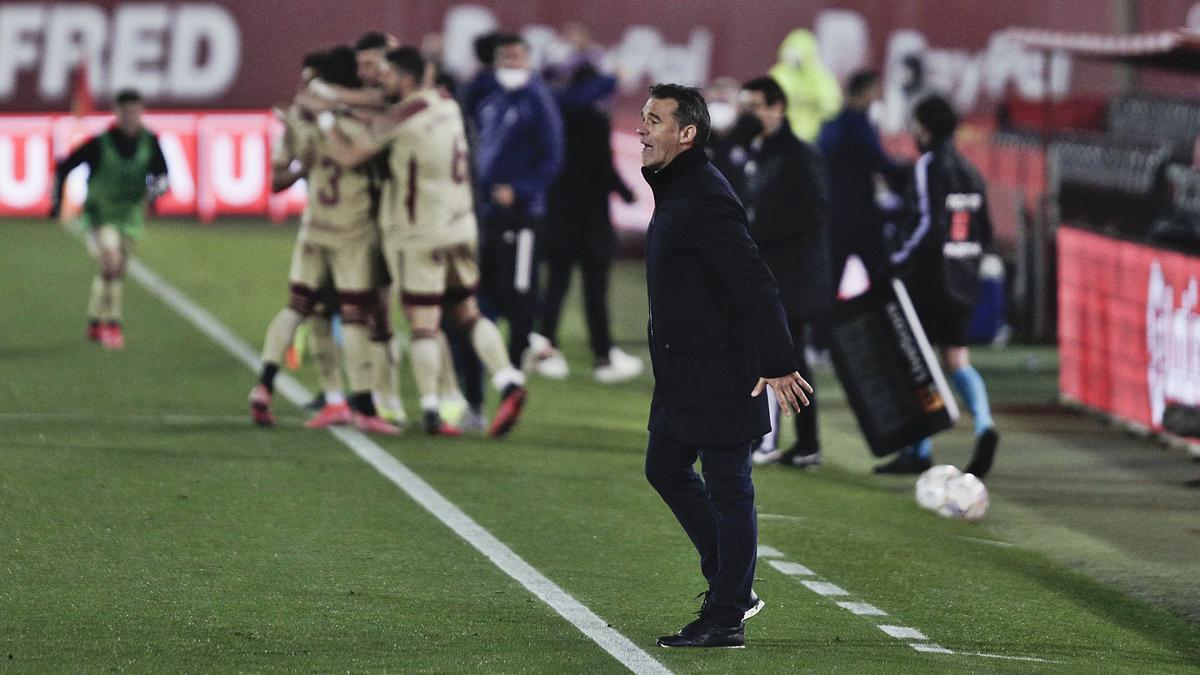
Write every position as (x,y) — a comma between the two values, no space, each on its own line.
(717,513)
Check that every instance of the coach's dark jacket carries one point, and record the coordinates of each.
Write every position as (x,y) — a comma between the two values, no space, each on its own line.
(716,323)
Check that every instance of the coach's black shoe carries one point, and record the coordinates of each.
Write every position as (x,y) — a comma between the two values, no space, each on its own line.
(985,452)
(756,606)
(905,464)
(704,632)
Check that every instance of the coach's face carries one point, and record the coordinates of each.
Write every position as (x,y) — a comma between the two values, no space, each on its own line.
(662,139)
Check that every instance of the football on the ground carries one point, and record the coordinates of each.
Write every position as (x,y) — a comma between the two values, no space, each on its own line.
(966,498)
(931,486)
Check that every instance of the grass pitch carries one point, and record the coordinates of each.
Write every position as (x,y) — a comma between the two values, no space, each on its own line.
(145,525)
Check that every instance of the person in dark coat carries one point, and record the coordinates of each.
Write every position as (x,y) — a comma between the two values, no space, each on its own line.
(578,227)
(718,337)
(781,180)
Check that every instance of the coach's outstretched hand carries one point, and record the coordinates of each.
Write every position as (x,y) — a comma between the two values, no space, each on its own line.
(791,390)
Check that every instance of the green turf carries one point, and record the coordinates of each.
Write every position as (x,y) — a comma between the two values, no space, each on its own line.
(146,526)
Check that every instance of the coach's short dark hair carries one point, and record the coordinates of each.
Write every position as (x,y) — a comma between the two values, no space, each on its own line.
(769,88)
(340,67)
(691,108)
(372,40)
(860,81)
(128,96)
(936,114)
(408,60)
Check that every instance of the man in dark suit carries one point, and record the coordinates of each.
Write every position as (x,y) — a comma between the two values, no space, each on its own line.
(718,338)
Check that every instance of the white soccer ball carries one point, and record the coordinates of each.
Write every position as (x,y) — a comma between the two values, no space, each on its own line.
(966,498)
(931,486)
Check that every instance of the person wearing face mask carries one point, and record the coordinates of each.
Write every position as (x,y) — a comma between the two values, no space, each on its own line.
(943,235)
(812,91)
(518,153)
(722,96)
(781,181)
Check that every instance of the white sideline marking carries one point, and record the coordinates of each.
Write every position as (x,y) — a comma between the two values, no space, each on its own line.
(989,542)
(862,608)
(825,588)
(935,649)
(765,551)
(792,569)
(903,632)
(778,516)
(1009,658)
(588,622)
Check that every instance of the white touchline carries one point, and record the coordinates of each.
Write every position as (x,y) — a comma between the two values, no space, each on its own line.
(792,569)
(911,636)
(1008,658)
(989,542)
(933,649)
(778,516)
(862,608)
(579,615)
(824,588)
(765,551)
(903,632)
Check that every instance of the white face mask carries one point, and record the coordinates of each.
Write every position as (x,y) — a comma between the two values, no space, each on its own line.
(876,112)
(513,78)
(722,115)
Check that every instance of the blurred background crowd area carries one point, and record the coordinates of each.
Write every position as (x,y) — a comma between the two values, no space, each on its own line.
(1076,112)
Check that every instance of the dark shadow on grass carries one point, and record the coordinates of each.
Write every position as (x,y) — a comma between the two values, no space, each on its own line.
(1090,596)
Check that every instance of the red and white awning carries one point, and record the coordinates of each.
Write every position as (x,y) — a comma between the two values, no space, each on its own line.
(1173,50)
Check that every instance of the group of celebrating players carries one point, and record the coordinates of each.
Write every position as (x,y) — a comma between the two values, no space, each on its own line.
(390,212)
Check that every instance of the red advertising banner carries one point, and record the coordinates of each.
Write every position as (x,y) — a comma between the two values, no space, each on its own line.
(234,163)
(1129,330)
(218,165)
(26,164)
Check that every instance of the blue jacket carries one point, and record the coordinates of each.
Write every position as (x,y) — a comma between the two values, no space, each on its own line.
(853,155)
(519,143)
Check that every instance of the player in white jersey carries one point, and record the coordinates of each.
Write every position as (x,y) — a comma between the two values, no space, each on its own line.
(427,218)
(287,167)
(371,53)
(336,237)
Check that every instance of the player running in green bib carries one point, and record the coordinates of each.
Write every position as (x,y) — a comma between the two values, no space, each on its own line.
(127,171)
